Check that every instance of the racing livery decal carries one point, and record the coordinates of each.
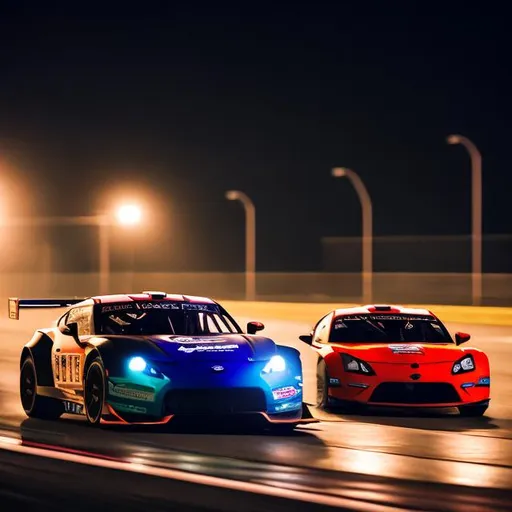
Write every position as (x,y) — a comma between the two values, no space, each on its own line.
(67,368)
(406,349)
(185,339)
(209,348)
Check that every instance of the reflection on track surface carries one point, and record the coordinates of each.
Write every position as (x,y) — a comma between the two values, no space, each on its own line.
(433,447)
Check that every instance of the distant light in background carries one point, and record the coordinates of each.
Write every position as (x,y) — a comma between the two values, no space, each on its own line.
(136,212)
(339,172)
(232,195)
(129,215)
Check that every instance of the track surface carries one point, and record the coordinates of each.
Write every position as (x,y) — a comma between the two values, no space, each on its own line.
(440,447)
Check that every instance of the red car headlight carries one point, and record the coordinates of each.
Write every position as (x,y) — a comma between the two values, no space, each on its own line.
(463,365)
(354,365)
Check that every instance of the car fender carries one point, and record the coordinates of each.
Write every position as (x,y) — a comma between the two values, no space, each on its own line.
(288,352)
(263,347)
(40,349)
(482,364)
(292,357)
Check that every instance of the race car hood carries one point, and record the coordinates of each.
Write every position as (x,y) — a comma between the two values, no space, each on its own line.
(225,347)
(402,352)
(217,347)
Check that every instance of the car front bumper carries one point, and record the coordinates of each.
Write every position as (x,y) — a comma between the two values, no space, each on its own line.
(431,385)
(241,390)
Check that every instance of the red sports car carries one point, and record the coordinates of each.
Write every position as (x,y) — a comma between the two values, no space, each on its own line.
(396,357)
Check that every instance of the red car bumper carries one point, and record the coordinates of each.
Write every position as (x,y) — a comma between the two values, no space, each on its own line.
(401,385)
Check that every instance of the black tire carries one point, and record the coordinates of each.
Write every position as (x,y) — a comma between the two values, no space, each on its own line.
(94,392)
(322,397)
(472,411)
(283,428)
(34,405)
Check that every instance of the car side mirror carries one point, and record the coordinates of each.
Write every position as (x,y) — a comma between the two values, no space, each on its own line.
(254,327)
(70,329)
(306,338)
(462,337)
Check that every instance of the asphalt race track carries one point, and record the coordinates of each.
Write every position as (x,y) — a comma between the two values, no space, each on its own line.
(383,460)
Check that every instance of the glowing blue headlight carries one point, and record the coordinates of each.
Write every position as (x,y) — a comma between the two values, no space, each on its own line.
(137,364)
(276,364)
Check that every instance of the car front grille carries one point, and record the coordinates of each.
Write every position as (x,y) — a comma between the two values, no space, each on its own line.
(415,393)
(215,401)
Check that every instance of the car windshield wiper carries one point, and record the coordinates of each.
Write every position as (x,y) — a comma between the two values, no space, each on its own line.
(172,326)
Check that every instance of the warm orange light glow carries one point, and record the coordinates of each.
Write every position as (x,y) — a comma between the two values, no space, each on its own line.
(339,172)
(129,215)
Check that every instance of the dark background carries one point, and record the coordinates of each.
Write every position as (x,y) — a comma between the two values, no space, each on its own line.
(177,103)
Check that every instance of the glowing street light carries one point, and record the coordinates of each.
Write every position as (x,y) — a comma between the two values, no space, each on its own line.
(126,215)
(250,241)
(129,215)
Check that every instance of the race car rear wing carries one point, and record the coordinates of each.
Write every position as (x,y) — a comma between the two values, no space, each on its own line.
(15,304)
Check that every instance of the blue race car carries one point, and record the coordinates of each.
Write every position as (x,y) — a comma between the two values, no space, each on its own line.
(148,358)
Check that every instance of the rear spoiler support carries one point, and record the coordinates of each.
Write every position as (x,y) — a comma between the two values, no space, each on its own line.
(15,304)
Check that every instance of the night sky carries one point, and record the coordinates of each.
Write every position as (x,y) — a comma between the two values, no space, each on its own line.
(186,101)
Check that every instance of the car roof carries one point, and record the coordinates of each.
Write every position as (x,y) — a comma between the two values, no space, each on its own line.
(145,296)
(381,308)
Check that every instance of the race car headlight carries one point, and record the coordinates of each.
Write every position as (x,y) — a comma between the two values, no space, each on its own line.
(140,365)
(137,364)
(464,365)
(354,365)
(276,364)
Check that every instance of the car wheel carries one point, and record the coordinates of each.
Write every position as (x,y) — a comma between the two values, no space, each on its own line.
(472,410)
(322,397)
(34,405)
(94,392)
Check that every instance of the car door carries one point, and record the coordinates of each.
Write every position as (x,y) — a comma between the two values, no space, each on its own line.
(67,354)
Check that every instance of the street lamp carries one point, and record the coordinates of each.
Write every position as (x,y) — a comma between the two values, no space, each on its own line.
(126,214)
(367,230)
(129,214)
(250,241)
(476,215)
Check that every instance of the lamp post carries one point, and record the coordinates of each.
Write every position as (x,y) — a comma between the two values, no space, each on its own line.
(129,215)
(104,253)
(367,229)
(250,241)
(126,215)
(476,215)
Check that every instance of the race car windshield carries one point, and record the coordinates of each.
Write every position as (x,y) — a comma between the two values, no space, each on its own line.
(165,317)
(388,328)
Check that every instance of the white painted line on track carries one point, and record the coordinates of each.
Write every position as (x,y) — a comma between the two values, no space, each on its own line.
(15,445)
